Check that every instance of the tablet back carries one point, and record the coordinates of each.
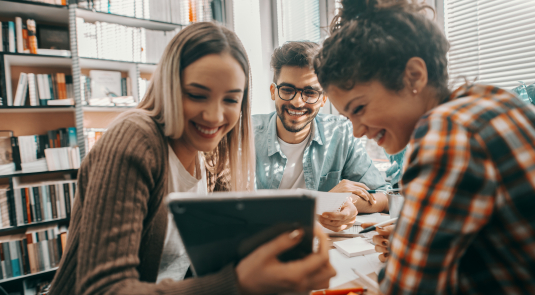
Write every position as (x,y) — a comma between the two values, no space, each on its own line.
(223,228)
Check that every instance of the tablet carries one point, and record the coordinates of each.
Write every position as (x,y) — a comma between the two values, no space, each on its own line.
(222,228)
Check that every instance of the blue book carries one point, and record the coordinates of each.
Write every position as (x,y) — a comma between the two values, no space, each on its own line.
(15,259)
(11,37)
(73,140)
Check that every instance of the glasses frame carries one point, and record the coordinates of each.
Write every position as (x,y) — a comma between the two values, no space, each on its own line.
(295,94)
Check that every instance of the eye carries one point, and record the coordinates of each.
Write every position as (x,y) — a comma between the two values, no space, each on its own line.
(194,96)
(231,100)
(358,109)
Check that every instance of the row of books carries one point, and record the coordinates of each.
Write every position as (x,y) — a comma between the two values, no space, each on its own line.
(44,89)
(171,11)
(53,2)
(37,250)
(106,88)
(56,150)
(143,86)
(21,36)
(36,202)
(117,42)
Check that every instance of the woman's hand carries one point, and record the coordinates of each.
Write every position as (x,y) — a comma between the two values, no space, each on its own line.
(261,272)
(359,190)
(338,221)
(381,240)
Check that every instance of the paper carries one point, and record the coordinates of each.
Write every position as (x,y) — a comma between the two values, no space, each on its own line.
(344,266)
(355,247)
(329,202)
(353,231)
(374,262)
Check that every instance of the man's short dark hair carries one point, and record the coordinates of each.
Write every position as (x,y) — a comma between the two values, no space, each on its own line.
(295,54)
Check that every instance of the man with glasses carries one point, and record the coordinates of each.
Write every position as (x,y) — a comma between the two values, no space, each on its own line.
(296,147)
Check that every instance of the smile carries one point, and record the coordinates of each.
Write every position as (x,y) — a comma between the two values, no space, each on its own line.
(206,131)
(379,136)
(295,113)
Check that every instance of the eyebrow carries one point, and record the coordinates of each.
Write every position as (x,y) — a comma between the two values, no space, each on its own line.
(208,89)
(306,87)
(346,109)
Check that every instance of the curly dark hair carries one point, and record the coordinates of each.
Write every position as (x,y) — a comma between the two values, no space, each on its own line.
(374,40)
(294,53)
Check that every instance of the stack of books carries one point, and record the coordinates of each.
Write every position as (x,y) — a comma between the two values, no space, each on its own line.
(36,202)
(107,88)
(92,135)
(43,90)
(36,250)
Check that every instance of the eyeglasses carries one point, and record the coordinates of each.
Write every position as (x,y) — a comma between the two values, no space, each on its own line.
(288,93)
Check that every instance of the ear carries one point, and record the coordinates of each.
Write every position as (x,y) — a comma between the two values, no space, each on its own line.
(272,89)
(324,100)
(415,76)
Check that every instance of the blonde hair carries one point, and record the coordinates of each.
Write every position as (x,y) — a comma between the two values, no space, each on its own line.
(163,99)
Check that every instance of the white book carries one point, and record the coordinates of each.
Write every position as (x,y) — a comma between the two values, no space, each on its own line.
(1,38)
(18,30)
(355,247)
(18,206)
(11,37)
(62,200)
(58,200)
(32,86)
(22,86)
(61,102)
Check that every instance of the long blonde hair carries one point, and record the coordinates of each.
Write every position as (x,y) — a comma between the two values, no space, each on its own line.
(163,99)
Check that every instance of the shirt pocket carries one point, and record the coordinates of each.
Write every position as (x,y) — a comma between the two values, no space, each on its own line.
(329,181)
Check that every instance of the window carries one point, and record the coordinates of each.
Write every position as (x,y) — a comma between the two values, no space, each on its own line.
(298,20)
(491,41)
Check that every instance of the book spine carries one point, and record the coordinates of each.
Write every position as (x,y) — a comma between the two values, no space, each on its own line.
(63,213)
(11,206)
(50,248)
(7,259)
(11,37)
(44,250)
(18,207)
(32,203)
(23,204)
(31,253)
(52,189)
(43,204)
(18,31)
(25,258)
(15,262)
(48,206)
(37,200)
(28,205)
(32,39)
(3,262)
(1,36)
(15,150)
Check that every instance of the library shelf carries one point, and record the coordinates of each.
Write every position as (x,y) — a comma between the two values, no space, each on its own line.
(39,11)
(47,222)
(110,64)
(28,275)
(92,16)
(20,173)
(37,109)
(40,60)
(104,109)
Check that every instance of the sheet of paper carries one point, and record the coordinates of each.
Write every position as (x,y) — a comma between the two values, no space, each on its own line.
(374,262)
(343,266)
(329,202)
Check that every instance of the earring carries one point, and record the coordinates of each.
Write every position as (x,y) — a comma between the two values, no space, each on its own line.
(414,91)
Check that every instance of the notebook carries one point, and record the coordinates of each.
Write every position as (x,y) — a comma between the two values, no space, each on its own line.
(328,202)
(355,247)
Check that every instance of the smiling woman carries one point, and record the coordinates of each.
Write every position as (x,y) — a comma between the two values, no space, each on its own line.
(191,133)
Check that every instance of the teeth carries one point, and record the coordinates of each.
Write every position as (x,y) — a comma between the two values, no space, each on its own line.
(206,131)
(379,136)
(296,113)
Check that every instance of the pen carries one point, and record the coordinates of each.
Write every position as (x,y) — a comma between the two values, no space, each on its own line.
(373,191)
(339,291)
(373,227)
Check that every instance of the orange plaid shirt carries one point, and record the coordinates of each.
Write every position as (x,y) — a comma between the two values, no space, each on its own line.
(468,222)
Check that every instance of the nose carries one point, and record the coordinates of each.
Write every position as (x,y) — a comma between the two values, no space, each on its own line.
(359,130)
(298,100)
(213,113)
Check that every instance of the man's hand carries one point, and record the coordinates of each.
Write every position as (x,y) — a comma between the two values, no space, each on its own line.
(338,221)
(381,240)
(261,272)
(356,188)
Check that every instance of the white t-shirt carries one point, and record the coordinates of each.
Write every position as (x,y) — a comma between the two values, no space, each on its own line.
(293,176)
(175,262)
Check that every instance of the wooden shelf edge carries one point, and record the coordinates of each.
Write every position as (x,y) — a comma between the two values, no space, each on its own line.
(20,173)
(29,225)
(28,275)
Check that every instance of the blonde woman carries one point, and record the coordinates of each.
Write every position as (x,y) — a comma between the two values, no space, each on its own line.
(193,124)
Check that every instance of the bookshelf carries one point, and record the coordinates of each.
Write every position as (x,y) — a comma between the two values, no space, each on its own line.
(28,120)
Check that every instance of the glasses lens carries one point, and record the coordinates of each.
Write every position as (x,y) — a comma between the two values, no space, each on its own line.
(286,93)
(310,95)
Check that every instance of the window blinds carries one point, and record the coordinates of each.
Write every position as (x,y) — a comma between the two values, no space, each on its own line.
(298,20)
(492,41)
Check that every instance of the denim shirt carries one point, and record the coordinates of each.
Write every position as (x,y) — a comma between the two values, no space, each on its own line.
(331,155)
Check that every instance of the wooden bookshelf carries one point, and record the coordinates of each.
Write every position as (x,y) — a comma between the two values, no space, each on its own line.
(25,226)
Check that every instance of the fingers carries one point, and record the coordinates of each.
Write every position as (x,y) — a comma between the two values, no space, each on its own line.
(381,249)
(384,257)
(281,243)
(334,228)
(380,240)
(368,224)
(362,193)
(385,230)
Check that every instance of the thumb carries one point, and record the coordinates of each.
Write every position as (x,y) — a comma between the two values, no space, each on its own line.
(368,224)
(385,230)
(281,243)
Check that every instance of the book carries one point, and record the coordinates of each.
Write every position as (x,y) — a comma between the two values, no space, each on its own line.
(1,37)
(22,87)
(32,86)
(11,36)
(355,247)
(18,32)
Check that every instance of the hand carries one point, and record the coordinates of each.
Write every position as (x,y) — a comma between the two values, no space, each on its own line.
(381,240)
(261,271)
(356,188)
(338,221)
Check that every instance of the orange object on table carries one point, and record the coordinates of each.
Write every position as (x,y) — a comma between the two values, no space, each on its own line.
(352,291)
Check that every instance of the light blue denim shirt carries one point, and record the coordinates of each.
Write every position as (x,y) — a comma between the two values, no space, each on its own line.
(331,155)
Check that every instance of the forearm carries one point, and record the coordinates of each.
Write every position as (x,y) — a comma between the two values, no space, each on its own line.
(365,207)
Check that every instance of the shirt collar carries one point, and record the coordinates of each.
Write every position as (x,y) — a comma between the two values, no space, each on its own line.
(273,143)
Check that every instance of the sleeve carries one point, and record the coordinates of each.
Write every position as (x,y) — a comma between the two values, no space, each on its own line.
(119,185)
(359,166)
(449,196)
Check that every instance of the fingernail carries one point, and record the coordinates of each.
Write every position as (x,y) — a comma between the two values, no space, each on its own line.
(386,255)
(379,227)
(294,234)
(385,243)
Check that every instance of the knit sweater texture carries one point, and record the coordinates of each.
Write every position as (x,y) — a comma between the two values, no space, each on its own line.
(119,219)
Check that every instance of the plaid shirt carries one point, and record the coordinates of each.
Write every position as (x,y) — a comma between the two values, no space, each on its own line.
(468,222)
